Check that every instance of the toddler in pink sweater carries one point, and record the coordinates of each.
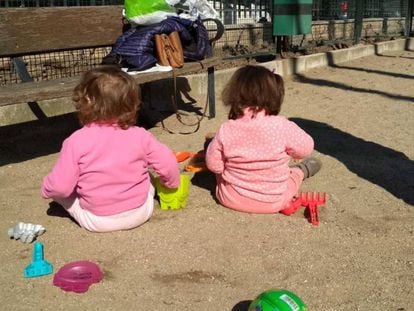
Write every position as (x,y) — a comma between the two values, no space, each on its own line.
(101,176)
(250,153)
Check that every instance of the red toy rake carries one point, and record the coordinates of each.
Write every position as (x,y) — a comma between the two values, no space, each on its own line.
(310,200)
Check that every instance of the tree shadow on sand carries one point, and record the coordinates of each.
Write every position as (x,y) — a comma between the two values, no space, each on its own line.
(385,167)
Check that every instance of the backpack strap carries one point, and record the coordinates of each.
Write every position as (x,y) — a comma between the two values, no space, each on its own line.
(178,114)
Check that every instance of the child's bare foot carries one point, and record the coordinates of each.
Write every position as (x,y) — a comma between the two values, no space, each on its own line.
(309,166)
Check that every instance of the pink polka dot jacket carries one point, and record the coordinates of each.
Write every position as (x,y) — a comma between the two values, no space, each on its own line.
(252,154)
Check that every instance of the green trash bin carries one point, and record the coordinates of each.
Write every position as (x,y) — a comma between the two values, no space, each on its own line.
(292,17)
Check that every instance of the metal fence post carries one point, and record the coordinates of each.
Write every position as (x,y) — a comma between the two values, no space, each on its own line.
(359,18)
(409,18)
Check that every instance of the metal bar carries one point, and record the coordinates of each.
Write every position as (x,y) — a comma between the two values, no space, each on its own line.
(409,18)
(211,93)
(359,18)
(260,8)
(19,66)
(278,45)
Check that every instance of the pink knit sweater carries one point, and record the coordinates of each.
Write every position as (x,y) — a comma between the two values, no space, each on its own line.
(252,154)
(107,168)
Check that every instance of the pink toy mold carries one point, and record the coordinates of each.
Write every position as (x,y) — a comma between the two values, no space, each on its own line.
(77,276)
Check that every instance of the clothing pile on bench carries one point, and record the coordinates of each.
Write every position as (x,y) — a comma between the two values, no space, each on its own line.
(135,48)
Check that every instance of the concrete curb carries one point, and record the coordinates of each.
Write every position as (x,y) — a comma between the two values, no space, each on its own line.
(286,67)
(20,113)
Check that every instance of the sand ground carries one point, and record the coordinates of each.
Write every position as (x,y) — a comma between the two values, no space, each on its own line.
(206,257)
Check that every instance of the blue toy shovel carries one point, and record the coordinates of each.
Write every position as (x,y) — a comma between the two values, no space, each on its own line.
(39,266)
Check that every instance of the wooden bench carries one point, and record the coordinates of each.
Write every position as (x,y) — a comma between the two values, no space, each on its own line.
(27,31)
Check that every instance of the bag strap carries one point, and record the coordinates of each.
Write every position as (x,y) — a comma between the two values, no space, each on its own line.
(178,114)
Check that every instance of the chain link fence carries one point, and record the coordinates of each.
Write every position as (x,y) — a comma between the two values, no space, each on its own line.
(340,9)
(49,3)
(247,11)
(249,32)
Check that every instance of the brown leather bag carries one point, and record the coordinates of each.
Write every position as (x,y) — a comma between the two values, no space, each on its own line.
(169,50)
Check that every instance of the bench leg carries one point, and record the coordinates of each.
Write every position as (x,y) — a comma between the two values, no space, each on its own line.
(19,66)
(211,93)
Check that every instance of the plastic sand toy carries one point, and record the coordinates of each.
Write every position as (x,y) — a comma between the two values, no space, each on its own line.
(26,232)
(197,162)
(77,276)
(311,201)
(173,198)
(181,156)
(277,300)
(39,266)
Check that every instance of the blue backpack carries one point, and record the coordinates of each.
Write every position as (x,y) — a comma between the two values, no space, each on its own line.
(135,48)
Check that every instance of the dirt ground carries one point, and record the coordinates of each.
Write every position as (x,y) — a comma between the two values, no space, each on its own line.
(206,257)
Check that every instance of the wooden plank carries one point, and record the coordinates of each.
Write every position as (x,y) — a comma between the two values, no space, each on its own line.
(28,30)
(44,90)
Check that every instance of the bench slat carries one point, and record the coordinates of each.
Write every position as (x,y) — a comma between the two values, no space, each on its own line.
(31,30)
(44,90)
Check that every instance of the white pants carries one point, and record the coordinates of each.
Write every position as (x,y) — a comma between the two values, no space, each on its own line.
(122,221)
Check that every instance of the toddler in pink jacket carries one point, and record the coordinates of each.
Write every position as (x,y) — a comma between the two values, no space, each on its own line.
(250,153)
(101,176)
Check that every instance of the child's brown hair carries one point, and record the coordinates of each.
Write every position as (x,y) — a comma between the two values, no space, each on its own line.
(255,87)
(107,95)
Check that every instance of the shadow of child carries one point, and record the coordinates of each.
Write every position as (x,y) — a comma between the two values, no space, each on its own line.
(57,210)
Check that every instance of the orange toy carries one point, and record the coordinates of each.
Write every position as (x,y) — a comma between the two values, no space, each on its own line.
(183,155)
(197,161)
(196,164)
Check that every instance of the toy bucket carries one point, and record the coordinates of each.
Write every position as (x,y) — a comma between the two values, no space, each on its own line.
(173,198)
